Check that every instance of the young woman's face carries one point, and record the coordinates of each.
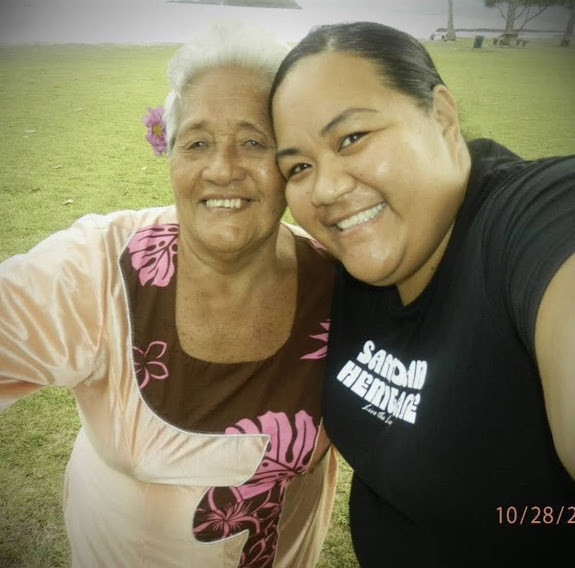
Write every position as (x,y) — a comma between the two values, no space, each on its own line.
(228,191)
(370,174)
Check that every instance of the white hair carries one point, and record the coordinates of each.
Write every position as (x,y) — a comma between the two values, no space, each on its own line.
(220,45)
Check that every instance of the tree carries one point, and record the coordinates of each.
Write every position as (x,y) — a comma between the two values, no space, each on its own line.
(566,39)
(526,10)
(450,35)
(519,11)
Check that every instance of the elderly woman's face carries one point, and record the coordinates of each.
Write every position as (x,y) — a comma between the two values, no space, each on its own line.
(228,191)
(370,174)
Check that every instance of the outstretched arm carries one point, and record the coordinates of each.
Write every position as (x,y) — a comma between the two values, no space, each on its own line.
(555,352)
(51,312)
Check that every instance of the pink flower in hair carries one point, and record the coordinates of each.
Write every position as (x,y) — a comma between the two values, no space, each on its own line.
(156,136)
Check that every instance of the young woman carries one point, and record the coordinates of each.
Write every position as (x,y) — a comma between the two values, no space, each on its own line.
(451,382)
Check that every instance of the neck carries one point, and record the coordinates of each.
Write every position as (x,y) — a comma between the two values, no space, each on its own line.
(410,288)
(214,273)
(413,286)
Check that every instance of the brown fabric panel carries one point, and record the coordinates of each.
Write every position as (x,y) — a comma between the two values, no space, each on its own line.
(209,397)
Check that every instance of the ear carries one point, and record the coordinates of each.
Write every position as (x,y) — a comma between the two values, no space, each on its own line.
(445,112)
(446,116)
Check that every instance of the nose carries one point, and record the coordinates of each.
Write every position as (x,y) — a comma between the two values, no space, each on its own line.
(223,166)
(331,183)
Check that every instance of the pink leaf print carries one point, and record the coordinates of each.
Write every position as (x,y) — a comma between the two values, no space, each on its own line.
(256,506)
(288,452)
(152,253)
(232,517)
(321,353)
(262,553)
(147,364)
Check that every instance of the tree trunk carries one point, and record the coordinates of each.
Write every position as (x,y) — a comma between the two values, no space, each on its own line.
(450,35)
(510,23)
(569,28)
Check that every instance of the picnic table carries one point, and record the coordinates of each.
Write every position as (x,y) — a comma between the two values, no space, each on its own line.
(508,39)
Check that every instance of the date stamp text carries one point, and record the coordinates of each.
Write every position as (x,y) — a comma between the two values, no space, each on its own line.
(536,515)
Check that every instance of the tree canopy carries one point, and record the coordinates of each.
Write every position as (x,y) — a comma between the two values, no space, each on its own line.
(522,11)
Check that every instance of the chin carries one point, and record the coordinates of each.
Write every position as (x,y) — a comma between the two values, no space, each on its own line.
(226,243)
(234,240)
(370,268)
(371,277)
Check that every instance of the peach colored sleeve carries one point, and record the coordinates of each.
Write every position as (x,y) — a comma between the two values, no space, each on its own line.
(51,309)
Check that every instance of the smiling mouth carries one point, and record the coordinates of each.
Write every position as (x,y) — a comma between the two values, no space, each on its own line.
(235,203)
(361,217)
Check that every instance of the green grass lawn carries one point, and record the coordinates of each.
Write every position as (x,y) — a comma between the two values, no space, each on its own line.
(73,143)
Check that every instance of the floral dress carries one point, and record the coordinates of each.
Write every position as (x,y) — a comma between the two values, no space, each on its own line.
(179,462)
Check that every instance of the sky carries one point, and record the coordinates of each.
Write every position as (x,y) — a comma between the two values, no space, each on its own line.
(160,21)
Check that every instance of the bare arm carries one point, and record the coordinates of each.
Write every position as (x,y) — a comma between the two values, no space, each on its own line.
(555,352)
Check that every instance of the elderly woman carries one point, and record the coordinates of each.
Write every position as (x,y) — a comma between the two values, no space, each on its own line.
(450,377)
(193,341)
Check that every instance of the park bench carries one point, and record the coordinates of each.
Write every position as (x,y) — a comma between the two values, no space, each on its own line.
(508,39)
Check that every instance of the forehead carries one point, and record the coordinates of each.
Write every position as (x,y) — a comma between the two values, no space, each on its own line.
(227,92)
(329,76)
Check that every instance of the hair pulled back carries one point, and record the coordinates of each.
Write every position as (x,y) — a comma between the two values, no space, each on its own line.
(402,61)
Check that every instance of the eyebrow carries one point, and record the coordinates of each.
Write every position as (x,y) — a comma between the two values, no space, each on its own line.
(200,124)
(190,126)
(341,117)
(344,115)
(186,128)
(251,126)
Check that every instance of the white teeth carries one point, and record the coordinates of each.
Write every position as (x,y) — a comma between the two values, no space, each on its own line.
(360,217)
(225,203)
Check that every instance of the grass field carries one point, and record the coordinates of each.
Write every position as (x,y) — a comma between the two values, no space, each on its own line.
(73,143)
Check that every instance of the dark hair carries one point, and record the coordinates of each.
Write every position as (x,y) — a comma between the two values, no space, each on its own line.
(403,62)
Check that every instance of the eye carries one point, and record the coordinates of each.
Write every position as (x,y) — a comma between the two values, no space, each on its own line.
(198,144)
(351,139)
(297,169)
(253,143)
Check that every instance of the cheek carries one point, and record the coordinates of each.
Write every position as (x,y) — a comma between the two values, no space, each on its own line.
(277,182)
(291,201)
(378,169)
(377,164)
(270,179)
(278,200)
(180,175)
(294,197)
(400,174)
(301,207)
